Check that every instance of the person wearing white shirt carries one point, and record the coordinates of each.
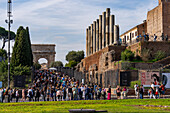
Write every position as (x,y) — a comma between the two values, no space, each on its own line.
(1,94)
(152,85)
(135,87)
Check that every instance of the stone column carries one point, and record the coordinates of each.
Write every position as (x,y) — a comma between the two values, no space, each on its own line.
(112,23)
(89,40)
(87,49)
(107,25)
(97,35)
(100,32)
(94,37)
(116,34)
(91,48)
(103,29)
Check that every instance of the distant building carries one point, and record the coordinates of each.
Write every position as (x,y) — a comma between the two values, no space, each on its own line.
(158,22)
(129,37)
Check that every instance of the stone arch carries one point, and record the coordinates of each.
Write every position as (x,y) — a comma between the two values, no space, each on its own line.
(42,61)
(46,51)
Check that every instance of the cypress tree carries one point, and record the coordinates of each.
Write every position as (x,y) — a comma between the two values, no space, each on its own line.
(30,49)
(14,59)
(21,49)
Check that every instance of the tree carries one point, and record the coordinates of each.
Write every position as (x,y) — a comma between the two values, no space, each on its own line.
(37,66)
(56,64)
(71,56)
(21,50)
(21,70)
(4,72)
(127,55)
(74,58)
(3,54)
(4,36)
(71,64)
(80,55)
(30,49)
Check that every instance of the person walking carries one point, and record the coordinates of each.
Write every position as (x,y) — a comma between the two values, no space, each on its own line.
(58,94)
(64,94)
(124,93)
(79,93)
(6,96)
(23,95)
(118,91)
(104,93)
(109,93)
(17,95)
(1,95)
(141,92)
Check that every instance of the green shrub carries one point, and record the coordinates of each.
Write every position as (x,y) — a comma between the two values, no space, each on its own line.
(146,56)
(127,55)
(71,64)
(132,83)
(160,55)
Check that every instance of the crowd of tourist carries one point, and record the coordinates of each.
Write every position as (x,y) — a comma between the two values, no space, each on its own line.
(51,86)
(155,91)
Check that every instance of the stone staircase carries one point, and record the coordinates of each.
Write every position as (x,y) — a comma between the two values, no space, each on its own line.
(164,62)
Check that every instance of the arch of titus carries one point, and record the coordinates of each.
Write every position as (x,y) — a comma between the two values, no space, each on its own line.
(46,51)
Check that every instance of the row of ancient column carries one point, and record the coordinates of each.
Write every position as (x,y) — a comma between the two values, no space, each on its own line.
(102,33)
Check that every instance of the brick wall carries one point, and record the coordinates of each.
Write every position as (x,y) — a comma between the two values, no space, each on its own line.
(154,21)
(158,19)
(166,18)
(152,46)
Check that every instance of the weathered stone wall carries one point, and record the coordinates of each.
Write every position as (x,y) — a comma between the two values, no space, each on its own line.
(156,46)
(99,67)
(79,75)
(118,50)
(166,18)
(152,46)
(93,59)
(158,19)
(155,21)
(142,28)
(136,48)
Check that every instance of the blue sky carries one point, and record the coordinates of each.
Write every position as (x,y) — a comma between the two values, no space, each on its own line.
(63,22)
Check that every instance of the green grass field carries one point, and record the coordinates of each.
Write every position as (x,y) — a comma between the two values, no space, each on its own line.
(135,105)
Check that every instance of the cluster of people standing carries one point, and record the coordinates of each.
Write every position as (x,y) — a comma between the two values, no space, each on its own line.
(154,91)
(51,86)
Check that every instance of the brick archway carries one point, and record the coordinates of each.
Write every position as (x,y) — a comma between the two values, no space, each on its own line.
(46,51)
